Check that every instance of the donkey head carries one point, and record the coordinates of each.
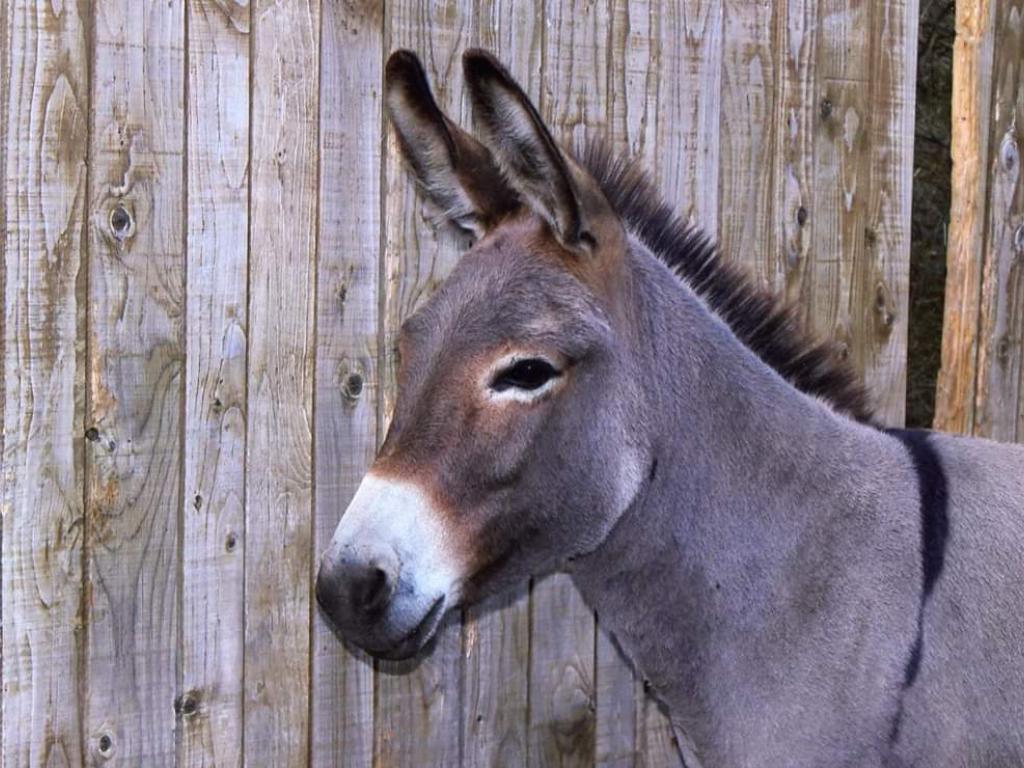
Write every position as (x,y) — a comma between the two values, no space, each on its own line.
(515,442)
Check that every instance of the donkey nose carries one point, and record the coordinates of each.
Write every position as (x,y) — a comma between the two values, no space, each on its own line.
(357,586)
(372,587)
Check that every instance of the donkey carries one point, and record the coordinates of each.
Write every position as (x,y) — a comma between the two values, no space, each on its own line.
(595,390)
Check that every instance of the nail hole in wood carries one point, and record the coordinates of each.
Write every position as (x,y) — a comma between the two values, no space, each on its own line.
(120,222)
(105,744)
(1003,350)
(352,386)
(1009,153)
(230,542)
(186,705)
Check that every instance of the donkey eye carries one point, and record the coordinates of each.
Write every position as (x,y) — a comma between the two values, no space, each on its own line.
(528,374)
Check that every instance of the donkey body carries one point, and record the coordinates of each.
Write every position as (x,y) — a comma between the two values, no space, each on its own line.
(592,390)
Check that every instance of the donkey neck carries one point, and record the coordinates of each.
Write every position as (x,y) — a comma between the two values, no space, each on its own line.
(732,554)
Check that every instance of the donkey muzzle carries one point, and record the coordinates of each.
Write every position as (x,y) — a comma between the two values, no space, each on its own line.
(387,578)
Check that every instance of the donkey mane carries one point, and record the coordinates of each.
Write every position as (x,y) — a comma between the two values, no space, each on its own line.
(759,319)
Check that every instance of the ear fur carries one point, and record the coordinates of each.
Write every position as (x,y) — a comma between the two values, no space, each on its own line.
(524,148)
(457,173)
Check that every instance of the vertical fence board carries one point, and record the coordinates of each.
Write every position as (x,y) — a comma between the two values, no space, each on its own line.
(347,378)
(789,250)
(282,237)
(1000,401)
(496,640)
(45,142)
(750,93)
(419,710)
(840,151)
(973,53)
(882,293)
(136,360)
(209,703)
(685,152)
(982,379)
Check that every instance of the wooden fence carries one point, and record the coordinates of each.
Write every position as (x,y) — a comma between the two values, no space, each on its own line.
(209,245)
(981,385)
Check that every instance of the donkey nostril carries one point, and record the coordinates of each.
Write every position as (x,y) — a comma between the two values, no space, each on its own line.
(372,590)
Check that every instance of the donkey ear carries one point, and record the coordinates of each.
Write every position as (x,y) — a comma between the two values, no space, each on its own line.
(456,171)
(527,153)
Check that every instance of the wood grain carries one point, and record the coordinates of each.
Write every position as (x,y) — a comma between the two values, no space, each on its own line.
(1000,391)
(973,53)
(419,703)
(347,376)
(279,472)
(135,379)
(835,263)
(788,255)
(748,136)
(44,90)
(982,344)
(209,701)
(880,298)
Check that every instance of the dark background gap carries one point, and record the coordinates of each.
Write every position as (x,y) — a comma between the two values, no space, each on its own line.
(930,208)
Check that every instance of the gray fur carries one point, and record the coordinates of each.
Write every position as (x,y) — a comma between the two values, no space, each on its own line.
(766,581)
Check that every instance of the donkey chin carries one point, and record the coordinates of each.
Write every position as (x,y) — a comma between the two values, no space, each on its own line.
(387,579)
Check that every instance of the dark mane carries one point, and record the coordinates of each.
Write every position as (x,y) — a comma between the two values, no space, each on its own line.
(759,319)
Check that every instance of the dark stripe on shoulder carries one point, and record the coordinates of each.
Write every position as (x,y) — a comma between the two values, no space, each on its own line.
(933,492)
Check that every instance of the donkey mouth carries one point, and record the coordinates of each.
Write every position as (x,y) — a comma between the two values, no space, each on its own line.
(414,641)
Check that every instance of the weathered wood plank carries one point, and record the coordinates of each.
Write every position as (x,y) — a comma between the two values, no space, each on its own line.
(973,60)
(44,90)
(136,359)
(495,659)
(836,260)
(883,290)
(496,641)
(859,219)
(748,132)
(617,702)
(419,708)
(1000,398)
(791,235)
(209,703)
(666,103)
(278,514)
(347,377)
